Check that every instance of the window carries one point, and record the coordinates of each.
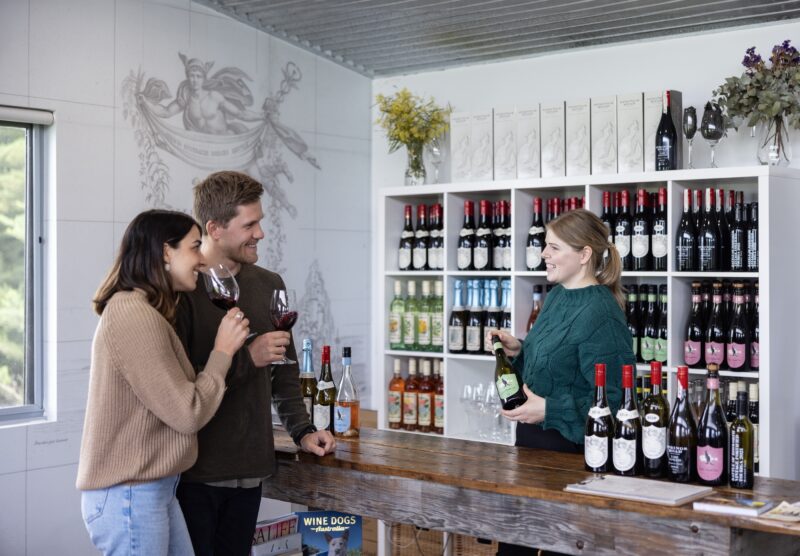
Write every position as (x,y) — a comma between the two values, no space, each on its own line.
(21,374)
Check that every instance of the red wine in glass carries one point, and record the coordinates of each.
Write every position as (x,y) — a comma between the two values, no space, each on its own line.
(221,285)
(285,321)
(283,313)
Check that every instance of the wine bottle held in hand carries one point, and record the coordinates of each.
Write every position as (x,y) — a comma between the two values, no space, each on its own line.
(627,451)
(506,378)
(599,434)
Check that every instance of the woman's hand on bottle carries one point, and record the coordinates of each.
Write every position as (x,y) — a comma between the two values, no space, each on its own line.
(232,332)
(511,345)
(531,412)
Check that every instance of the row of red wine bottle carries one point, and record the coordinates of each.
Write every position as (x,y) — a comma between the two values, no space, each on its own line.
(715,237)
(640,238)
(536,233)
(723,326)
(487,247)
(423,248)
(670,444)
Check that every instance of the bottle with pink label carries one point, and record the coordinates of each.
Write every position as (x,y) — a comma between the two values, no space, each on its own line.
(737,346)
(712,435)
(695,331)
(716,337)
(754,345)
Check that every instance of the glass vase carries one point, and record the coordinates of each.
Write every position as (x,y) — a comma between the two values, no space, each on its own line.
(415,169)
(774,143)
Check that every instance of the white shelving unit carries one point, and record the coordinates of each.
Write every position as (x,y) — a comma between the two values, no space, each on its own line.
(778,194)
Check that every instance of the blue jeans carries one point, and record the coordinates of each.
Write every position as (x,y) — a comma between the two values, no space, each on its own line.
(142,519)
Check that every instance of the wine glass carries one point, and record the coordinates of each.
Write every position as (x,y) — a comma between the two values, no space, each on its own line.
(689,129)
(712,128)
(436,155)
(283,314)
(221,285)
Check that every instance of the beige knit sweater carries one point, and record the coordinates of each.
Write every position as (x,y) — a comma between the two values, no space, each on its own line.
(145,402)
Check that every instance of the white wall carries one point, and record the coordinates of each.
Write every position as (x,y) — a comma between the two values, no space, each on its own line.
(694,64)
(71,57)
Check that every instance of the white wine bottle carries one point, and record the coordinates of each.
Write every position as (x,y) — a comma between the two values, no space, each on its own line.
(506,378)
(599,437)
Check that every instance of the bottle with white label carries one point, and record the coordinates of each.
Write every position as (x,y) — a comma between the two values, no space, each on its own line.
(396,311)
(599,432)
(424,318)
(410,397)
(640,237)
(536,233)
(466,239)
(425,398)
(457,324)
(406,248)
(419,260)
(308,380)
(505,212)
(437,317)
(627,451)
(499,236)
(346,410)
(623,227)
(484,242)
(410,317)
(654,427)
(658,233)
(438,399)
(394,400)
(474,332)
(494,313)
(326,394)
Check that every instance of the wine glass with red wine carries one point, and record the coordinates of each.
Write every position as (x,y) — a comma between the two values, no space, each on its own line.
(221,285)
(283,312)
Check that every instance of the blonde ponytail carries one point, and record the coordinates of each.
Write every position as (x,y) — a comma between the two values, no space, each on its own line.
(610,273)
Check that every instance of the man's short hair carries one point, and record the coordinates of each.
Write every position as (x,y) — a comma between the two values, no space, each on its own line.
(219,195)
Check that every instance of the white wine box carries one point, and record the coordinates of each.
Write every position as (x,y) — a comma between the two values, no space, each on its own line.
(460,129)
(481,149)
(528,144)
(505,144)
(653,105)
(578,137)
(630,133)
(554,158)
(604,135)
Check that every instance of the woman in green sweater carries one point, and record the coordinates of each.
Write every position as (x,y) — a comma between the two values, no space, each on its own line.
(581,323)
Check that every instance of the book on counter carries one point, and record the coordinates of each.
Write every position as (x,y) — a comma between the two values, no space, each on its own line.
(639,490)
(285,546)
(330,533)
(739,504)
(278,535)
(784,512)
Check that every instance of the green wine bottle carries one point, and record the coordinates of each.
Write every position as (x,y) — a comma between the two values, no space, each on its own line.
(741,443)
(506,378)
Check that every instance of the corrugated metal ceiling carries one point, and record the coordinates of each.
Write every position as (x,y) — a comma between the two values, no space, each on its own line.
(381,37)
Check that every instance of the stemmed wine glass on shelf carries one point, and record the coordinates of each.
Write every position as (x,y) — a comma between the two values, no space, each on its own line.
(283,313)
(712,128)
(436,152)
(689,129)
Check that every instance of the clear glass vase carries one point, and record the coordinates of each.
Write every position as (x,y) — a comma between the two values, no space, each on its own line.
(774,143)
(415,169)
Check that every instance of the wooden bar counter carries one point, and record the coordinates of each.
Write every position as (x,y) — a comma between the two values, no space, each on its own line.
(513,495)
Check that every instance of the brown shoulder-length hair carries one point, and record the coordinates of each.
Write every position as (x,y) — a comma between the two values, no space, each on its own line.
(581,228)
(140,260)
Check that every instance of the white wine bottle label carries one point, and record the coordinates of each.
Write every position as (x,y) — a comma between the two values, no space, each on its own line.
(409,329)
(483,232)
(406,235)
(710,462)
(507,386)
(659,244)
(395,328)
(424,329)
(437,329)
(322,416)
(623,244)
(736,355)
(506,258)
(627,415)
(640,245)
(466,232)
(595,450)
(654,440)
(395,408)
(424,414)
(421,233)
(473,338)
(438,415)
(420,258)
(533,257)
(341,418)
(410,408)
(597,412)
(481,258)
(535,230)
(323,385)
(464,257)
(624,454)
(403,258)
(455,338)
(497,253)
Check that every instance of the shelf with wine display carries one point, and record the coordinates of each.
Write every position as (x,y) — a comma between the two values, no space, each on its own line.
(478,229)
(416,234)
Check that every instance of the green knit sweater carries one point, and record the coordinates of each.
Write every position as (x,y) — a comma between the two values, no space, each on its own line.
(576,329)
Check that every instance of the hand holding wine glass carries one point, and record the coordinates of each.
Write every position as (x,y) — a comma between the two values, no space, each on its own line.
(232,332)
(221,285)
(283,312)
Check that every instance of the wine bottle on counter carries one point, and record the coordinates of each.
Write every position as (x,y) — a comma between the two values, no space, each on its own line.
(752,413)
(658,238)
(437,317)
(751,263)
(627,445)
(741,461)
(326,394)
(666,138)
(715,331)
(712,435)
(506,378)
(410,397)
(421,240)
(686,237)
(599,435)
(425,394)
(346,411)
(737,348)
(536,233)
(623,227)
(406,248)
(457,325)
(640,236)
(654,427)
(536,307)
(308,379)
(693,353)
(708,239)
(410,317)
(395,398)
(483,251)
(724,233)
(682,434)
(466,238)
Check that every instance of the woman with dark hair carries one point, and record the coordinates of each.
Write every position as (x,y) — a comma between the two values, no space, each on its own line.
(581,323)
(145,402)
